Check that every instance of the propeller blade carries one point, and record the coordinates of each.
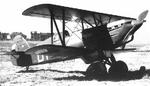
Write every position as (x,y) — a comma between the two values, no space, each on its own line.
(143,15)
(140,18)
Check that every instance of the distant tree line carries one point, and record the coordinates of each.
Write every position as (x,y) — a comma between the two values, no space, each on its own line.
(3,36)
(35,36)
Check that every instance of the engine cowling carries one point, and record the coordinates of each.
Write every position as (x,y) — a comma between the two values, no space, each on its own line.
(97,38)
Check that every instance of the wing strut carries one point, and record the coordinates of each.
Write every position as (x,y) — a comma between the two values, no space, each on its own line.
(51,25)
(109,20)
(82,24)
(95,20)
(63,25)
(62,38)
(100,20)
(53,20)
(58,31)
(87,22)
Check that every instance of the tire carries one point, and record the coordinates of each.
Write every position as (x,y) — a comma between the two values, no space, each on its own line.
(118,68)
(96,69)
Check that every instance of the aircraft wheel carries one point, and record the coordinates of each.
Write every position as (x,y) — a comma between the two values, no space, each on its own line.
(96,69)
(118,68)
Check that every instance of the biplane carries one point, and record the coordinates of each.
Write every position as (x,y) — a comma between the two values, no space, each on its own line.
(100,35)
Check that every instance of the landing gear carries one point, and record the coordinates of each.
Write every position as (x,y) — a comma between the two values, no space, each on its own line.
(123,46)
(118,68)
(96,69)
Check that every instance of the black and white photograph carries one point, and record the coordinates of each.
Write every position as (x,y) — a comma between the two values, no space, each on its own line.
(74,43)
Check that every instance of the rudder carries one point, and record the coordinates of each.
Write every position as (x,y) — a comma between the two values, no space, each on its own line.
(20,44)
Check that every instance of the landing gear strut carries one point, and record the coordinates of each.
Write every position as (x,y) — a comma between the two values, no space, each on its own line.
(98,68)
(123,46)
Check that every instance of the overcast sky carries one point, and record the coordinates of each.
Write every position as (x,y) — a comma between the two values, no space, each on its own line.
(12,20)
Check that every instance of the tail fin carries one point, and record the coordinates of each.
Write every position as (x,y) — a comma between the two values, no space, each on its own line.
(20,44)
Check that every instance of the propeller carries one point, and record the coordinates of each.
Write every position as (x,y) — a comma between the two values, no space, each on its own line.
(140,18)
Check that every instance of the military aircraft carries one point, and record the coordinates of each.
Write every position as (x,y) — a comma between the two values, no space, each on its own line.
(99,36)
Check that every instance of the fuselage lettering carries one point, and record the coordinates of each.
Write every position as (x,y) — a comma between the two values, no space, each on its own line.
(40,58)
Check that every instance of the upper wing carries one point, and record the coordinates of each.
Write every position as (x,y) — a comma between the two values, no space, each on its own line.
(46,10)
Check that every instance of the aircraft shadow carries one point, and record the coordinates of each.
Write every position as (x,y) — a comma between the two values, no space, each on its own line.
(51,70)
(131,75)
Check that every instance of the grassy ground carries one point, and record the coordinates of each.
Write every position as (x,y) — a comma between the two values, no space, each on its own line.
(71,73)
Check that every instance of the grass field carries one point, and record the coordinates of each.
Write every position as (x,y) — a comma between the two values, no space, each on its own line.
(71,73)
